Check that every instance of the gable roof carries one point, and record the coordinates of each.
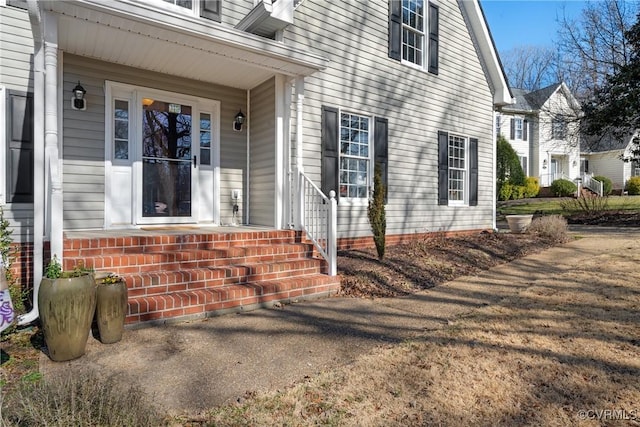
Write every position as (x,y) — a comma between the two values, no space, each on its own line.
(533,101)
(479,29)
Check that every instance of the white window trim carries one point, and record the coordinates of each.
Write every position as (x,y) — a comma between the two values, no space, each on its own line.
(3,145)
(465,199)
(423,35)
(518,120)
(357,201)
(194,11)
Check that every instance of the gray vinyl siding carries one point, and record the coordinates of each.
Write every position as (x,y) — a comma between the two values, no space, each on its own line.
(16,49)
(361,78)
(262,155)
(234,10)
(83,135)
(16,73)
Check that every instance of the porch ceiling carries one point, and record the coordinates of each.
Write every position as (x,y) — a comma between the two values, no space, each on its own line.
(145,36)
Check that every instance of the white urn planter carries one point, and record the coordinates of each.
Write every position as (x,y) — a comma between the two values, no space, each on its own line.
(519,223)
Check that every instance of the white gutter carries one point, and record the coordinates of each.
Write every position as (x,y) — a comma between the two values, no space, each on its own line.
(38,157)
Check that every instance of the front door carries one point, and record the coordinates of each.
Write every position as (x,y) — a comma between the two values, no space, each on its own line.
(168,160)
(163,158)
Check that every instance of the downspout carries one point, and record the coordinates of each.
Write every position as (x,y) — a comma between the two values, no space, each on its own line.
(38,157)
(495,172)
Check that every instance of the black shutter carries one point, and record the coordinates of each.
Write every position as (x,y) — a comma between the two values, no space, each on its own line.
(395,29)
(20,148)
(513,129)
(525,128)
(473,172)
(210,9)
(443,168)
(381,150)
(330,150)
(434,34)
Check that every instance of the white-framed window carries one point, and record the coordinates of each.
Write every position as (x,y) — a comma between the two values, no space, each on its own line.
(498,124)
(519,127)
(355,155)
(525,165)
(414,33)
(209,9)
(559,129)
(458,169)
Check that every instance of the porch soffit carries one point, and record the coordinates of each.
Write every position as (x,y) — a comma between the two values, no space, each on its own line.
(142,36)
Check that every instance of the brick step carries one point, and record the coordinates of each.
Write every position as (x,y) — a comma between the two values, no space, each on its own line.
(130,263)
(160,282)
(200,303)
(85,247)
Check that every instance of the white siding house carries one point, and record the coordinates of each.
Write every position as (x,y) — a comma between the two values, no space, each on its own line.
(542,127)
(611,157)
(326,90)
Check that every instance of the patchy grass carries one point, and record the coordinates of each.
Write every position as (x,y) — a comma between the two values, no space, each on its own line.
(558,205)
(560,352)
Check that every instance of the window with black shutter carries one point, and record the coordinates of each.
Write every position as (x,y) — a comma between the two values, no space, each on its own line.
(19,150)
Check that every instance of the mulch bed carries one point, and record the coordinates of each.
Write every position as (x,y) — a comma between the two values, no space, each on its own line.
(422,264)
(609,218)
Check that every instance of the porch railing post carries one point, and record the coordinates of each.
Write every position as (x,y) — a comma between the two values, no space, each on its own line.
(300,201)
(332,234)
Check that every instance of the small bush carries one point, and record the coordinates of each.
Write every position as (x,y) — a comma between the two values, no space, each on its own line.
(633,186)
(78,399)
(505,191)
(532,186)
(587,203)
(376,211)
(552,228)
(607,185)
(518,192)
(563,187)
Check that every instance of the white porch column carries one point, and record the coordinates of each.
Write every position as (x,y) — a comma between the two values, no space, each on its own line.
(299,203)
(52,154)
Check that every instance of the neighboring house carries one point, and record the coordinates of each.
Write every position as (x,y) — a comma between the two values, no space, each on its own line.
(611,158)
(542,127)
(137,130)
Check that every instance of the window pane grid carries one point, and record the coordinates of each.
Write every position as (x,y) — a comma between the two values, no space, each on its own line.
(518,123)
(457,167)
(205,138)
(413,31)
(354,155)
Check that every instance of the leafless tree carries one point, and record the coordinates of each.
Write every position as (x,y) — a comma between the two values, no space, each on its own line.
(530,67)
(593,46)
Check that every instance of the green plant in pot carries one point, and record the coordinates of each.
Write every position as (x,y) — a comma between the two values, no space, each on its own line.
(67,302)
(111,307)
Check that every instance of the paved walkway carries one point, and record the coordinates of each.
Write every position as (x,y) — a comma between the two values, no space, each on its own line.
(192,366)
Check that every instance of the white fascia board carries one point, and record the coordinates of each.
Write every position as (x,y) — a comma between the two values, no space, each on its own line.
(502,94)
(191,26)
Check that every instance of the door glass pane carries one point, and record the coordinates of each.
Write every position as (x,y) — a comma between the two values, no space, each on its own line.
(166,159)
(205,139)
(121,130)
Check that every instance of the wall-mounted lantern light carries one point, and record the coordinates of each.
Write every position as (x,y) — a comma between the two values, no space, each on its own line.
(78,102)
(575,163)
(238,121)
(544,164)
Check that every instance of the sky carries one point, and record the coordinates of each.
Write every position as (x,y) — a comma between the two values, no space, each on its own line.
(523,22)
